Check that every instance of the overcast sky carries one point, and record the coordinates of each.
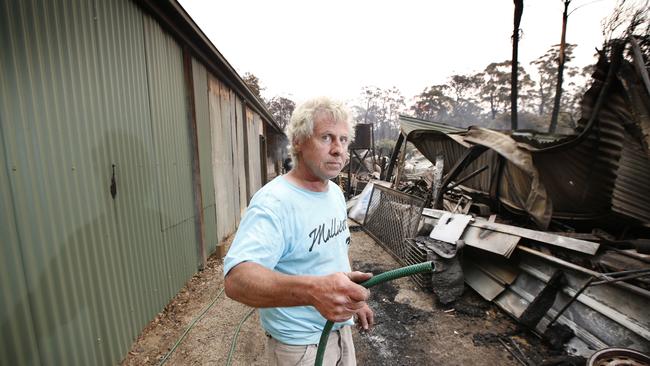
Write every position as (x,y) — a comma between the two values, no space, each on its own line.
(300,49)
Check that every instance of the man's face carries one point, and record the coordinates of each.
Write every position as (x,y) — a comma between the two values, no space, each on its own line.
(323,155)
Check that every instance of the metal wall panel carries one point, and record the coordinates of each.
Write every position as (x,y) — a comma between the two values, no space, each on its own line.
(254,163)
(17,339)
(257,158)
(202,110)
(54,117)
(222,157)
(241,157)
(171,127)
(75,101)
(632,193)
(170,131)
(237,158)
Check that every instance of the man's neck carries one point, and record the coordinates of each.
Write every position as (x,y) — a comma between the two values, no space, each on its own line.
(307,181)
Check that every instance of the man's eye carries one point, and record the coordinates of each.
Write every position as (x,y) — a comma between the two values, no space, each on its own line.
(327,138)
(344,140)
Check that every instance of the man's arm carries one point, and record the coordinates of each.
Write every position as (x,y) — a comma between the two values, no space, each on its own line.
(336,296)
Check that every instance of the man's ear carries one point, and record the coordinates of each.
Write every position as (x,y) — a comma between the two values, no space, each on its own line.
(297,146)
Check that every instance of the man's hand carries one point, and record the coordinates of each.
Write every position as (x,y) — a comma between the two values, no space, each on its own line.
(338,296)
(365,318)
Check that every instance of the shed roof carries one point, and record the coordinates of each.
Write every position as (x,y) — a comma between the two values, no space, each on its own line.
(178,22)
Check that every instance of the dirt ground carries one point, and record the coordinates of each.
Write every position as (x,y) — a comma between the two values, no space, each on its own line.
(410,329)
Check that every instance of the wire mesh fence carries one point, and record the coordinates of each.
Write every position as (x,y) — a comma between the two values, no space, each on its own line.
(392,218)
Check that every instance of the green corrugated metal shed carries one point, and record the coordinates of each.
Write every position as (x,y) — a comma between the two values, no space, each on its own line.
(91,92)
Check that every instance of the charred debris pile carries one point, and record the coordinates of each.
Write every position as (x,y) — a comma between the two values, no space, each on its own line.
(555,230)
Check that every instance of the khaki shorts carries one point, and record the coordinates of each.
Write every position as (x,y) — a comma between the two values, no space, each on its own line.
(339,351)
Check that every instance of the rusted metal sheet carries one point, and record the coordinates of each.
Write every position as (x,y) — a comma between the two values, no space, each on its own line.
(236,157)
(242,146)
(222,157)
(254,125)
(255,132)
(202,110)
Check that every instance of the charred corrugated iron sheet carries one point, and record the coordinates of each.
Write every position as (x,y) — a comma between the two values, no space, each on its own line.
(580,176)
(630,196)
(602,316)
(451,151)
(601,170)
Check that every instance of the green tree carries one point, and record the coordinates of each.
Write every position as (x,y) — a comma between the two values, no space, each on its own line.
(281,109)
(392,104)
(547,68)
(573,99)
(381,108)
(496,87)
(465,90)
(433,103)
(253,83)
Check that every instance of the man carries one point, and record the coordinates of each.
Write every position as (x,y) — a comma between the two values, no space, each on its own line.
(290,255)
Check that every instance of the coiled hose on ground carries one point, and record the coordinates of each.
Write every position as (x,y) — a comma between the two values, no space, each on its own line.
(375,280)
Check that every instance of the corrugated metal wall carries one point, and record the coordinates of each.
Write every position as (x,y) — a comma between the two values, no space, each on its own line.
(254,132)
(204,131)
(75,103)
(93,91)
(17,339)
(222,157)
(630,195)
(240,161)
(234,130)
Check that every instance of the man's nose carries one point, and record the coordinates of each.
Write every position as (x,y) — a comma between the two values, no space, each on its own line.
(337,148)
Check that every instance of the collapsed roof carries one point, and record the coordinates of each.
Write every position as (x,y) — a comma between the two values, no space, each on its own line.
(601,171)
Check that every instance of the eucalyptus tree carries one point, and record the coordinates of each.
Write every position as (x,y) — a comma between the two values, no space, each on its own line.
(281,109)
(547,75)
(496,87)
(253,83)
(433,103)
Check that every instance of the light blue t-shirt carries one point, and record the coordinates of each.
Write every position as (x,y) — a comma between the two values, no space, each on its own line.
(296,232)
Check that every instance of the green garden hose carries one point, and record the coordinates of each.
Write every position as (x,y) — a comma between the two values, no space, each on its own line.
(162,362)
(234,337)
(375,280)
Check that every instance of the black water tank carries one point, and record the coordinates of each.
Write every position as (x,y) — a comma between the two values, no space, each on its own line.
(363,136)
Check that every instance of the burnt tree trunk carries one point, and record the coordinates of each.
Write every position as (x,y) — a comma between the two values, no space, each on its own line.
(560,71)
(519,9)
